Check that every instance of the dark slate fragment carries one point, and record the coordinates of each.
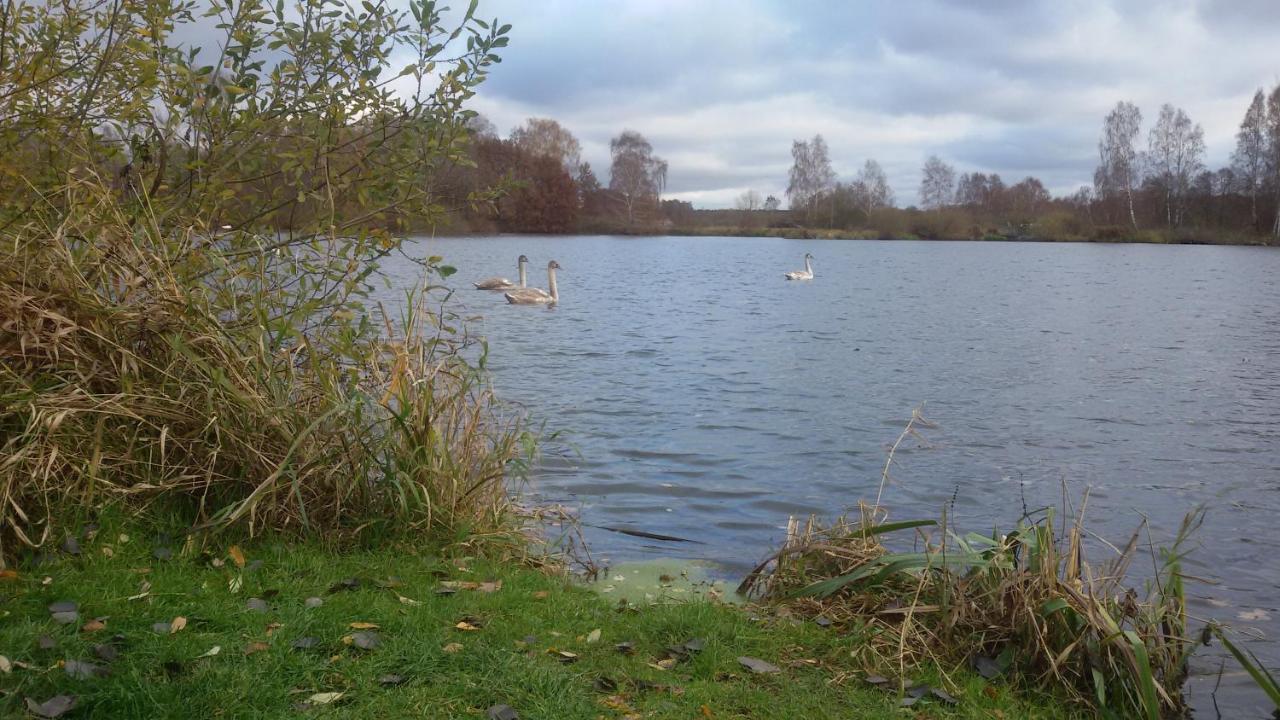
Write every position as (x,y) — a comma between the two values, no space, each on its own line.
(987,667)
(106,653)
(63,606)
(256,605)
(80,670)
(391,680)
(162,553)
(944,696)
(306,643)
(366,640)
(44,642)
(66,618)
(756,665)
(71,546)
(54,707)
(503,712)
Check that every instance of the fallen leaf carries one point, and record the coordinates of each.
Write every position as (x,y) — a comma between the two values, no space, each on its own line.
(706,711)
(541,595)
(107,551)
(605,685)
(94,625)
(54,707)
(8,574)
(489,587)
(363,626)
(256,647)
(593,636)
(314,602)
(326,698)
(80,670)
(217,562)
(143,590)
(626,648)
(407,601)
(466,626)
(664,664)
(272,627)
(452,647)
(563,656)
(235,583)
(177,624)
(236,555)
(6,667)
(210,652)
(502,712)
(757,665)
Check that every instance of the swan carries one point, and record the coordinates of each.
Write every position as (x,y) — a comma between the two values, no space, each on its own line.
(501,283)
(805,274)
(537,296)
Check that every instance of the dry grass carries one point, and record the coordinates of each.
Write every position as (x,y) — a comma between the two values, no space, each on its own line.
(1027,600)
(236,384)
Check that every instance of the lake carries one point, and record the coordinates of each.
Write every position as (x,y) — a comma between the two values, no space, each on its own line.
(702,396)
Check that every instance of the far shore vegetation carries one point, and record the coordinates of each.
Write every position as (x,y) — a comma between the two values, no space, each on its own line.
(233,483)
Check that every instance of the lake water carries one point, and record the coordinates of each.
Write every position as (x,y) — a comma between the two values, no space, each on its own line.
(707,398)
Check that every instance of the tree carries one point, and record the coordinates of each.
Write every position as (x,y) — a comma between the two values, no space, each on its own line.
(637,174)
(749,200)
(481,127)
(544,137)
(811,173)
(876,186)
(1118,172)
(772,203)
(1250,157)
(1175,148)
(937,183)
(1273,152)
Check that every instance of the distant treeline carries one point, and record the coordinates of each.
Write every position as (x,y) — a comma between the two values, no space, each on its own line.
(1162,192)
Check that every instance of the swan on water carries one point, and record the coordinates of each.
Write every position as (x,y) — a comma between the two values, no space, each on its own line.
(501,283)
(806,273)
(537,296)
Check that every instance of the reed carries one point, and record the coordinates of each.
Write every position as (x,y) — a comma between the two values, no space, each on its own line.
(1024,602)
(255,388)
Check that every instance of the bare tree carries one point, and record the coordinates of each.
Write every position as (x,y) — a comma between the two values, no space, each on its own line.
(936,186)
(481,127)
(636,174)
(1273,151)
(544,137)
(1250,156)
(876,185)
(749,200)
(1119,171)
(772,203)
(811,173)
(1175,148)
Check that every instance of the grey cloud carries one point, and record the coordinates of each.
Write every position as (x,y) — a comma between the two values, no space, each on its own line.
(1011,86)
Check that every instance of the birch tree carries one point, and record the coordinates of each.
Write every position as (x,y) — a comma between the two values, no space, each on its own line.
(1175,148)
(637,175)
(937,185)
(1119,171)
(811,174)
(1250,156)
(876,185)
(1273,152)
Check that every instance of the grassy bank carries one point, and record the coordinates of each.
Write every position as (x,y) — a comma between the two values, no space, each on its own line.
(1151,237)
(237,654)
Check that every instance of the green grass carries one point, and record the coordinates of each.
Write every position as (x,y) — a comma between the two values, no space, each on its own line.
(504,662)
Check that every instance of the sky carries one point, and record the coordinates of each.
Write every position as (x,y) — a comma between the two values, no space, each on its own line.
(1019,87)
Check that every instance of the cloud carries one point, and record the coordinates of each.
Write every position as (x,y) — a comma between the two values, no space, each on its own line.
(1018,87)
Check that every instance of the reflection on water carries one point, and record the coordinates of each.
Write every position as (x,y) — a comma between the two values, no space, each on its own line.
(704,397)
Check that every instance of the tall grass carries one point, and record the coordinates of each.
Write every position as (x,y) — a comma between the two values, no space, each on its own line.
(259,389)
(1025,601)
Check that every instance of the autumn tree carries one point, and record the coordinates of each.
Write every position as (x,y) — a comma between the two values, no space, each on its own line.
(1175,149)
(544,137)
(811,174)
(937,183)
(1119,171)
(637,175)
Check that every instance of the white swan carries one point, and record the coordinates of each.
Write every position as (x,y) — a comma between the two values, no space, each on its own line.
(501,283)
(537,296)
(805,274)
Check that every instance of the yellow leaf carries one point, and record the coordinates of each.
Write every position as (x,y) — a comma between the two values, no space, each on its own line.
(363,626)
(541,595)
(593,636)
(452,647)
(325,698)
(252,648)
(94,626)
(178,624)
(407,601)
(464,625)
(237,556)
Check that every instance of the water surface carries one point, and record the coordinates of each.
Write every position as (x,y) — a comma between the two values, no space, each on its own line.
(707,398)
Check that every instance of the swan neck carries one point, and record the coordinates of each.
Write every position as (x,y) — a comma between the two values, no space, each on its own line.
(551,283)
(523,279)
(807,267)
